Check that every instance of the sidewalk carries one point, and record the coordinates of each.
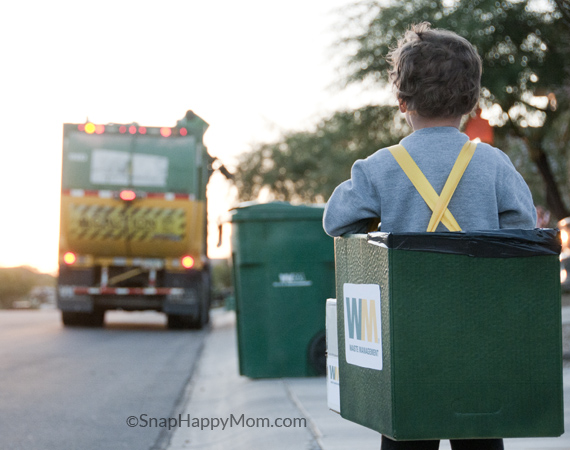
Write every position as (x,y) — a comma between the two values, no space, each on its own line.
(218,391)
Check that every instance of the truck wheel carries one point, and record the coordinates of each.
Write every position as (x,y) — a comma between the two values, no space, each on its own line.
(197,323)
(69,319)
(83,319)
(186,322)
(205,300)
(200,321)
(97,318)
(179,322)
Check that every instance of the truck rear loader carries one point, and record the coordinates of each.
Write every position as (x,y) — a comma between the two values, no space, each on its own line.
(133,222)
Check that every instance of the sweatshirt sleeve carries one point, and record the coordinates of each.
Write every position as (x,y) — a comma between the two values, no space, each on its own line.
(352,205)
(514,200)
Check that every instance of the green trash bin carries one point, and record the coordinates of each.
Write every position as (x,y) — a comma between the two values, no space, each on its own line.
(283,266)
(451,335)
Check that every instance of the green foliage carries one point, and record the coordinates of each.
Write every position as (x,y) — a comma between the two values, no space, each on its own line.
(222,282)
(307,166)
(555,142)
(518,44)
(17,282)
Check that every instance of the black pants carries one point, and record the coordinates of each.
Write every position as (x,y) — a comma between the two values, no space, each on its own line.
(456,444)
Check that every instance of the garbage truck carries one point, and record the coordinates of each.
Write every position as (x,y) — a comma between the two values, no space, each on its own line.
(133,222)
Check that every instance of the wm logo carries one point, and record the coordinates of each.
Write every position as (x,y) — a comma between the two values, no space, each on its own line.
(333,372)
(361,316)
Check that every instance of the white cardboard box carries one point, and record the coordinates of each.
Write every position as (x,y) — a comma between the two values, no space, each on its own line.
(333,388)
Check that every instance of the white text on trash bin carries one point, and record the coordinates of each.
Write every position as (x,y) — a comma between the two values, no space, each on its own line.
(363,325)
(293,279)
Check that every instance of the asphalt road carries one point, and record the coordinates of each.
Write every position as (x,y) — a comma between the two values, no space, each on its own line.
(73,388)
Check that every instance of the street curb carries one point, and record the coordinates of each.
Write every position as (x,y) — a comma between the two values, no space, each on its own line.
(165,437)
(312,424)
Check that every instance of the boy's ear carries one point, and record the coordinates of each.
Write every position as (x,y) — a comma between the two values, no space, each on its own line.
(403,107)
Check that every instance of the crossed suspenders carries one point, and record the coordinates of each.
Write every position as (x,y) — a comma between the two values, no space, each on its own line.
(437,203)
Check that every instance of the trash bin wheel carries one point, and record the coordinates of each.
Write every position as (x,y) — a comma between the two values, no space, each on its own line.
(317,353)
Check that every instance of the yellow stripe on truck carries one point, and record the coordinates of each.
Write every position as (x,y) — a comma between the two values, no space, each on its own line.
(96,222)
(145,227)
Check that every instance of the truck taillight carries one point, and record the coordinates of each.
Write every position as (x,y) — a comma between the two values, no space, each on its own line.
(183,131)
(165,131)
(91,128)
(187,262)
(127,195)
(69,258)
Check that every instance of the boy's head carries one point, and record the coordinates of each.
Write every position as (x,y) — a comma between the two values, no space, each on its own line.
(436,72)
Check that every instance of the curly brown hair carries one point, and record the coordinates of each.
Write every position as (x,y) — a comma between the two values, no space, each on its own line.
(436,72)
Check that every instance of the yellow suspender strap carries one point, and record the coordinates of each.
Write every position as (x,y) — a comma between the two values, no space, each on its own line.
(438,204)
(451,184)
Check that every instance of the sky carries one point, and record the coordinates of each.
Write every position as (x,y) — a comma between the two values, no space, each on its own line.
(252,69)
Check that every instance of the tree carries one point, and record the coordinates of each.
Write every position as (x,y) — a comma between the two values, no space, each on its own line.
(15,284)
(306,166)
(526,67)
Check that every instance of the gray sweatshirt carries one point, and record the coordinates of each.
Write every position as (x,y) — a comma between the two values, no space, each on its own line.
(491,194)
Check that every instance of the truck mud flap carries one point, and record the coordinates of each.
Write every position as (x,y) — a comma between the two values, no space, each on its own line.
(183,302)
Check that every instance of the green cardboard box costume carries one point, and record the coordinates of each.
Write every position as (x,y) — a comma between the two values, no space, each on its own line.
(450,335)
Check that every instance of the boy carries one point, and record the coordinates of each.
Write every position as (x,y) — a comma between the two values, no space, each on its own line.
(436,75)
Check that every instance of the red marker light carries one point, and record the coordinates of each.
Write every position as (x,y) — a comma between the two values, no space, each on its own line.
(128,196)
(69,258)
(183,131)
(187,262)
(122,129)
(81,127)
(165,131)
(142,130)
(132,129)
(99,129)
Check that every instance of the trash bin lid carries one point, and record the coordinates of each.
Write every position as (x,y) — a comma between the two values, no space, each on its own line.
(505,243)
(254,211)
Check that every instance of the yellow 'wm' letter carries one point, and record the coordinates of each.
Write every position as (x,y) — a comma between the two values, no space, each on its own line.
(369,320)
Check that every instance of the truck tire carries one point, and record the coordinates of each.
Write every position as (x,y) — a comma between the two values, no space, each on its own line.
(189,322)
(203,318)
(205,300)
(180,321)
(186,322)
(83,319)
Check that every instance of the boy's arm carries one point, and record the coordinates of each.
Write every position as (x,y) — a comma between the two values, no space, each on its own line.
(353,205)
(516,207)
